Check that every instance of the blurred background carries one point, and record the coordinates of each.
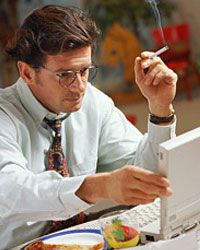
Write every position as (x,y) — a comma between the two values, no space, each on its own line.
(129,27)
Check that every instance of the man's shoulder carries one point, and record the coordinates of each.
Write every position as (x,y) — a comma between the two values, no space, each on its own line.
(95,94)
(7,92)
(96,104)
(9,101)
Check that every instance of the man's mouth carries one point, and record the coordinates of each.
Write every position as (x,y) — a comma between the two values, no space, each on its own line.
(73,98)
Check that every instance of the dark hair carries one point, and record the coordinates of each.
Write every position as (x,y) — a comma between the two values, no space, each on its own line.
(51,30)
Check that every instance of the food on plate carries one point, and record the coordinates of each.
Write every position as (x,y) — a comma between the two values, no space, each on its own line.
(40,245)
(119,235)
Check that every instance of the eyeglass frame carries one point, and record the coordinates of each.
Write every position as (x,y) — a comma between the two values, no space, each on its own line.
(60,75)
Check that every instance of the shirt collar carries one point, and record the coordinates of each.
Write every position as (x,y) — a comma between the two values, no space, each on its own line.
(33,106)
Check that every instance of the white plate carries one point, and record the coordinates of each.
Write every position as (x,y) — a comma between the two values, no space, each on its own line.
(78,236)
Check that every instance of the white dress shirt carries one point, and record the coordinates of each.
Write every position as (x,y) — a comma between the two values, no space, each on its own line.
(97,138)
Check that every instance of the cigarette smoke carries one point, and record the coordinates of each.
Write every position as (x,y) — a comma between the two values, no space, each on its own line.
(154,7)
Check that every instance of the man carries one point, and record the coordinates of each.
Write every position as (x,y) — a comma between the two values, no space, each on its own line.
(53,49)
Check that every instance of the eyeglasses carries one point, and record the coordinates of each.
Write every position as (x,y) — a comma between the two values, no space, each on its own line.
(68,77)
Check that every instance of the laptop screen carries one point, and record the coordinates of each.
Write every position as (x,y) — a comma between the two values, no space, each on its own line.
(179,161)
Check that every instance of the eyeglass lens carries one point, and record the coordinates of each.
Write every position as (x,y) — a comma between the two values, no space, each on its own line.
(87,74)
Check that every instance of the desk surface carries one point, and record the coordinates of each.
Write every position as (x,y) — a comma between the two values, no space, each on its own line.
(96,224)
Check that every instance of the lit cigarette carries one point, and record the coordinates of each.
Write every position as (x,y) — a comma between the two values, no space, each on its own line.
(160,51)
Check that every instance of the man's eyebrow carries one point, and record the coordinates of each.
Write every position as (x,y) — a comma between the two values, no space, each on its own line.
(62,69)
(73,69)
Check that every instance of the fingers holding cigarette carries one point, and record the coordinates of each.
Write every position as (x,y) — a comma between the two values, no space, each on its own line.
(151,58)
(150,70)
(156,81)
(156,53)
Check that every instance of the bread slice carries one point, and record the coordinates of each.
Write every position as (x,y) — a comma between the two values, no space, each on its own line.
(40,245)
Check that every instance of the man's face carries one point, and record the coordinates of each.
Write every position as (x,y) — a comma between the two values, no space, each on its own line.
(50,92)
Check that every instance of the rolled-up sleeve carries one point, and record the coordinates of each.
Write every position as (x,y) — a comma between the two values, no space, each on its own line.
(148,148)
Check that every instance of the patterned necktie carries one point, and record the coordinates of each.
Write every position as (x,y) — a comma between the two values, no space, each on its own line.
(56,159)
(57,162)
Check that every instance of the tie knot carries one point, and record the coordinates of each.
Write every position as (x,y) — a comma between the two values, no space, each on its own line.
(54,124)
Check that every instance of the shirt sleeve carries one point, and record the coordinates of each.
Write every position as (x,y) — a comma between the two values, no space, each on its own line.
(25,196)
(148,148)
(121,143)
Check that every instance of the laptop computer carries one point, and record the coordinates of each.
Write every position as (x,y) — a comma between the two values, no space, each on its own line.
(166,218)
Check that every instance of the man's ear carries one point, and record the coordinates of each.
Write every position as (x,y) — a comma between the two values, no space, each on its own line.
(26,72)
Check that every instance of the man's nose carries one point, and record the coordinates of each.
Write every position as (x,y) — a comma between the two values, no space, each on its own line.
(78,82)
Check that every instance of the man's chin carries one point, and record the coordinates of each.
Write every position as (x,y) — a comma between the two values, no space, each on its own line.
(71,109)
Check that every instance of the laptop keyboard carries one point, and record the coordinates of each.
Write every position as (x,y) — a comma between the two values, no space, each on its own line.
(145,214)
(142,214)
